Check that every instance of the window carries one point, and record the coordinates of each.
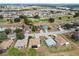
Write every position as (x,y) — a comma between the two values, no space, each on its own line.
(34,46)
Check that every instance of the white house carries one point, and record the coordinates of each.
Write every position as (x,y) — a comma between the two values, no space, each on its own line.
(21,44)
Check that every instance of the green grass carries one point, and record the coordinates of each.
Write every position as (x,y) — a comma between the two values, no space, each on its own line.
(15,52)
(32,52)
(2,20)
(65,17)
(37,20)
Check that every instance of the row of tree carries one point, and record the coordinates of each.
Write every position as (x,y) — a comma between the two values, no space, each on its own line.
(68,26)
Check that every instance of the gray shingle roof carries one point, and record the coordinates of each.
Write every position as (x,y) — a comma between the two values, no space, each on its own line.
(50,42)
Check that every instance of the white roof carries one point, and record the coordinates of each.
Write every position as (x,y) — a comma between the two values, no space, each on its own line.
(50,42)
(2,29)
(20,43)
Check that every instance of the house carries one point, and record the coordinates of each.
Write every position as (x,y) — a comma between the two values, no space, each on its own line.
(45,28)
(34,43)
(76,35)
(6,44)
(61,41)
(11,36)
(26,28)
(2,29)
(21,44)
(50,42)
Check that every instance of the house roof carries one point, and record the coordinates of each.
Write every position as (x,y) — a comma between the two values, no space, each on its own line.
(34,42)
(45,27)
(76,35)
(6,44)
(50,42)
(2,29)
(21,43)
(60,39)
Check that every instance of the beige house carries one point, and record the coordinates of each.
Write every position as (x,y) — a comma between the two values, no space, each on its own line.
(61,41)
(6,44)
(34,43)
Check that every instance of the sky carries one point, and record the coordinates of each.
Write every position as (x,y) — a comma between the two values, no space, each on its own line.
(39,1)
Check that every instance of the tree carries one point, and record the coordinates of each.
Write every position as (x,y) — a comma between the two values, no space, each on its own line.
(36,16)
(19,33)
(22,16)
(68,26)
(3,36)
(69,14)
(8,20)
(1,17)
(52,11)
(18,30)
(15,52)
(11,21)
(17,20)
(20,36)
(76,14)
(32,52)
(68,17)
(34,28)
(51,20)
(26,21)
(30,37)
(60,18)
(7,31)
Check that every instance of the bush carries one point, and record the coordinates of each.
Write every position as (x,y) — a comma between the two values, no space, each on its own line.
(1,17)
(18,30)
(3,36)
(7,31)
(26,21)
(51,20)
(68,26)
(32,52)
(34,28)
(15,52)
(60,18)
(20,36)
(17,20)
(36,16)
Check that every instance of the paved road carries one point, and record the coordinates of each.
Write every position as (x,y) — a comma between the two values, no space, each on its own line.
(51,33)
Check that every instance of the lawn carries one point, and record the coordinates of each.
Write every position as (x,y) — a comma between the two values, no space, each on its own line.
(37,20)
(2,21)
(65,17)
